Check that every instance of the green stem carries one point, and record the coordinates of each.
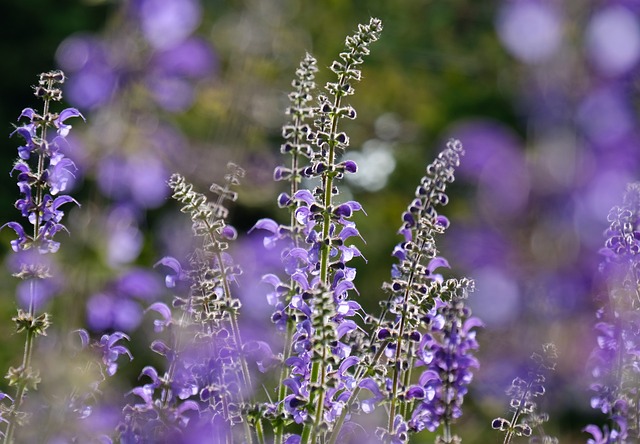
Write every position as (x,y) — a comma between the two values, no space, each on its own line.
(396,361)
(354,395)
(235,331)
(282,389)
(28,346)
(327,181)
(26,365)
(406,382)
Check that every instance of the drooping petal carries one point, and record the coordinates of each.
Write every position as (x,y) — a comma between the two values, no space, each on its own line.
(305,196)
(151,373)
(63,130)
(164,311)
(174,264)
(437,262)
(266,224)
(29,113)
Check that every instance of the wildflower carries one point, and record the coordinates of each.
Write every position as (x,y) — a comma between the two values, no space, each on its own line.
(42,173)
(526,417)
(614,360)
(111,350)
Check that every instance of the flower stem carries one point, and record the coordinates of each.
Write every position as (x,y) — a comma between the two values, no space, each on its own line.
(26,365)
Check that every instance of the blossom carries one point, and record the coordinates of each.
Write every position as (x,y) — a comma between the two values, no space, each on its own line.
(111,350)
(614,360)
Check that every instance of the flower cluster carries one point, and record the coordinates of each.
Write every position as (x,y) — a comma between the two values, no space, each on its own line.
(313,304)
(42,169)
(207,378)
(527,417)
(331,364)
(42,172)
(424,323)
(614,361)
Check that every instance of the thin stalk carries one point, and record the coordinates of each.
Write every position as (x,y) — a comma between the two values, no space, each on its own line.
(403,320)
(354,395)
(446,423)
(327,180)
(406,382)
(282,389)
(516,414)
(235,331)
(30,334)
(26,364)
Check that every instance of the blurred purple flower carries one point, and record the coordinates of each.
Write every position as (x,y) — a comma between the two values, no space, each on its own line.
(123,236)
(605,115)
(531,30)
(94,78)
(109,311)
(41,290)
(192,58)
(140,179)
(119,307)
(166,23)
(613,40)
(495,159)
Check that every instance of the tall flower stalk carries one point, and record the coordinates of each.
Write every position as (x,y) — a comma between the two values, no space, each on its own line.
(313,301)
(43,173)
(207,380)
(424,323)
(526,418)
(614,362)
(296,145)
(333,221)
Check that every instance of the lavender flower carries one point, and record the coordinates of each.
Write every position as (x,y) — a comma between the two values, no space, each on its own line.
(424,322)
(42,173)
(314,245)
(207,377)
(446,352)
(614,361)
(526,417)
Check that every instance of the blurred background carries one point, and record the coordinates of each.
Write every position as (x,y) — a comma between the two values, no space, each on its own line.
(542,93)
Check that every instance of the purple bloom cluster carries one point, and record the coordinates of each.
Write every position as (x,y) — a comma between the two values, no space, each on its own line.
(42,173)
(207,379)
(102,68)
(42,169)
(424,323)
(526,416)
(446,351)
(313,304)
(614,361)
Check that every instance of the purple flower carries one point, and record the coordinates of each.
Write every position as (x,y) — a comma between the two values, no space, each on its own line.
(60,174)
(111,350)
(167,23)
(601,436)
(28,132)
(165,316)
(618,321)
(23,241)
(50,173)
(174,265)
(62,128)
